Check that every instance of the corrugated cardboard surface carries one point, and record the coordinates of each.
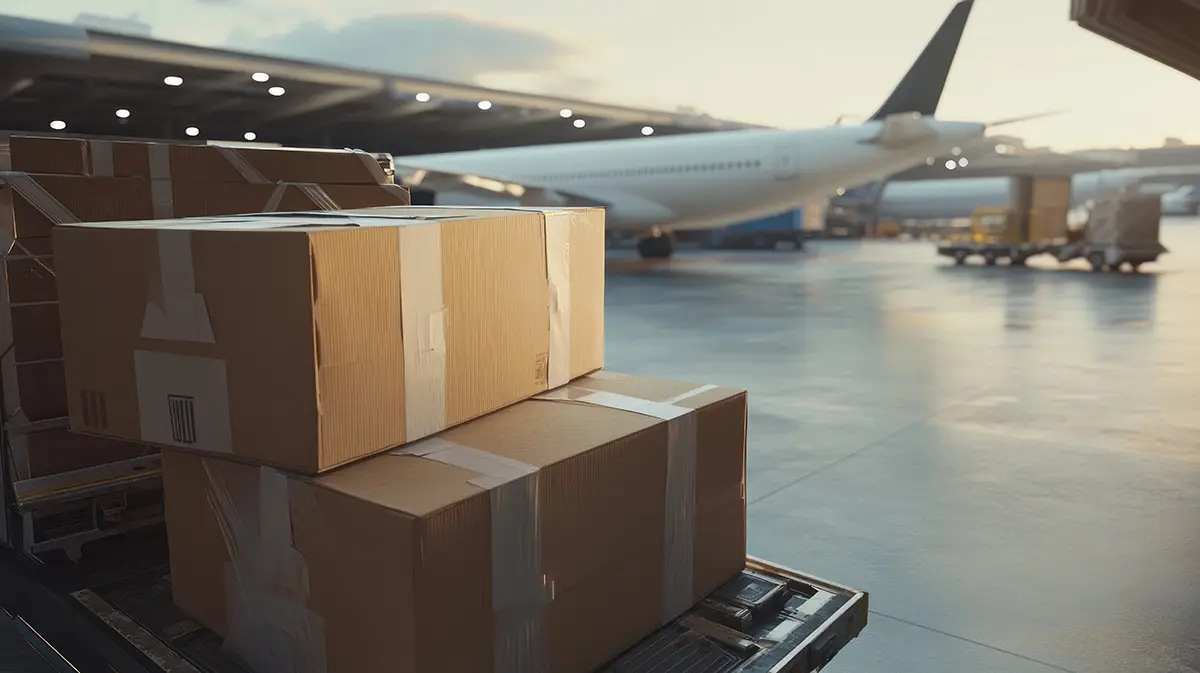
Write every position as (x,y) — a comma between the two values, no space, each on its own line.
(188,162)
(308,341)
(1125,219)
(548,536)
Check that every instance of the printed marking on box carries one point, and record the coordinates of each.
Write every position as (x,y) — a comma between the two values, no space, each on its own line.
(183,401)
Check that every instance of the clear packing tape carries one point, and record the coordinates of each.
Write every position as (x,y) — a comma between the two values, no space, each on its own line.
(271,627)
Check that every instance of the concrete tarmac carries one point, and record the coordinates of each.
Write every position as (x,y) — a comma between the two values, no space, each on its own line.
(1008,460)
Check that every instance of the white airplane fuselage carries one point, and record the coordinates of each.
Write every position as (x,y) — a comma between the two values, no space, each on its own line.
(702,180)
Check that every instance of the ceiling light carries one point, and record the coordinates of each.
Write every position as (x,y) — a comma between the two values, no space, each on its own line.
(647,130)
(173,80)
(956,151)
(58,125)
(260,77)
(422,97)
(250,135)
(579,123)
(841,191)
(123,113)
(950,165)
(276,91)
(192,131)
(929,161)
(565,113)
(1001,149)
(485,105)
(962,162)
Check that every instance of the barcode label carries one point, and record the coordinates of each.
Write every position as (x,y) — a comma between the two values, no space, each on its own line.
(183,418)
(95,409)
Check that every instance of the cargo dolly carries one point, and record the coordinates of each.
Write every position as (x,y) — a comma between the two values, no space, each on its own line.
(768,619)
(1101,258)
(1122,232)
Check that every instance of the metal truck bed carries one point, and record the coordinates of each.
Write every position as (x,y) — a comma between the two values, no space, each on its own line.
(770,619)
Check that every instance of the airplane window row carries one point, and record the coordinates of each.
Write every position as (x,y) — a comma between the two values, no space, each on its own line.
(656,170)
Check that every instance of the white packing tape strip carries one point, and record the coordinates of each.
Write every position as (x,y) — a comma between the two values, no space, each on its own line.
(101,152)
(318,196)
(275,199)
(558,273)
(183,315)
(39,198)
(520,590)
(680,493)
(267,585)
(423,326)
(242,165)
(162,196)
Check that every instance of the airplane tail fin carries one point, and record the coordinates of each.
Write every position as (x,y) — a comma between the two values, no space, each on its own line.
(921,89)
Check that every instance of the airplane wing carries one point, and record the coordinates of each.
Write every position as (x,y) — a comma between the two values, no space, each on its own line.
(624,209)
(489,188)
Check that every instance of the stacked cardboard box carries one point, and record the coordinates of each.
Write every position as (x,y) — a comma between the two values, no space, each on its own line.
(390,445)
(48,181)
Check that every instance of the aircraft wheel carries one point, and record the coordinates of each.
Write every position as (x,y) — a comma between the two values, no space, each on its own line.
(1096,259)
(989,257)
(960,258)
(655,247)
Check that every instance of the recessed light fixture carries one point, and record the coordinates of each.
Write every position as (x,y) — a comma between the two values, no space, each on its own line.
(579,123)
(192,131)
(950,165)
(485,105)
(260,77)
(1002,149)
(962,162)
(58,125)
(841,191)
(173,80)
(929,161)
(647,130)
(250,135)
(123,113)
(956,151)
(565,113)
(422,97)
(276,91)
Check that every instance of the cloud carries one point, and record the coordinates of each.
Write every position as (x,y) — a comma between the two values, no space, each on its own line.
(438,46)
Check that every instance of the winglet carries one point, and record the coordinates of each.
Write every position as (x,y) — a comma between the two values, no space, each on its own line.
(921,89)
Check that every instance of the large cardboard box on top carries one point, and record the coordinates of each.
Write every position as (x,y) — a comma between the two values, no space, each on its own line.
(548,536)
(309,340)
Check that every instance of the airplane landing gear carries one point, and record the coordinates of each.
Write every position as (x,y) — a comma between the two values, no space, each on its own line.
(655,247)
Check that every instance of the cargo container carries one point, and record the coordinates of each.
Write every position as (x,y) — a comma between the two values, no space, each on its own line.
(764,234)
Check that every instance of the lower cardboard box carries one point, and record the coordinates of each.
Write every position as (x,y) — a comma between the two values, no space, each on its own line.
(548,536)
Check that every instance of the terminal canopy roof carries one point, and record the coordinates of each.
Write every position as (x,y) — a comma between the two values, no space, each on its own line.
(1167,31)
(82,77)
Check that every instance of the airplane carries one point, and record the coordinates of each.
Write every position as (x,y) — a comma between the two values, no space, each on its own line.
(653,185)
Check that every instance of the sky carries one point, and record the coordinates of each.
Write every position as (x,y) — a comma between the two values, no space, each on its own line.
(785,63)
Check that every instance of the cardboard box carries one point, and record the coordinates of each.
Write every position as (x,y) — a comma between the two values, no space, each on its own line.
(31,205)
(310,340)
(556,532)
(189,162)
